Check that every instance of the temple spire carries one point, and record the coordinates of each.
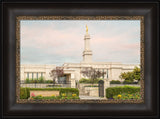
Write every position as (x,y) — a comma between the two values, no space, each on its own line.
(87,53)
(86,29)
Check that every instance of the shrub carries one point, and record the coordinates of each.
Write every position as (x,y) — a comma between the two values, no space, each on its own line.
(55,97)
(48,81)
(96,80)
(41,80)
(126,96)
(135,82)
(27,80)
(84,80)
(69,91)
(54,85)
(91,86)
(127,82)
(25,92)
(115,82)
(112,91)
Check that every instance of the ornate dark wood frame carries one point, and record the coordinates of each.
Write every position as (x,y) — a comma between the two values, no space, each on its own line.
(149,11)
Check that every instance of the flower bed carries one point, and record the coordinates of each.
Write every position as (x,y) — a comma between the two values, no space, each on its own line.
(25,92)
(126,96)
(112,91)
(63,96)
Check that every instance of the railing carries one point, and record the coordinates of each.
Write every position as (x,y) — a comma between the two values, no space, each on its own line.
(46,85)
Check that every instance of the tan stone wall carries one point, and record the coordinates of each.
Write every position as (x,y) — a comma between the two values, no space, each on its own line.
(93,91)
(45,93)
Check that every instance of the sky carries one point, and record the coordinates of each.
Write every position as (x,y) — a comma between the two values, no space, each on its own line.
(62,41)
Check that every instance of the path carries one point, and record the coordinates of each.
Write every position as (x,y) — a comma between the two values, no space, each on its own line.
(90,97)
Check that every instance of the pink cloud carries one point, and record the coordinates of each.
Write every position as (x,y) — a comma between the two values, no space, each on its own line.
(49,38)
(53,41)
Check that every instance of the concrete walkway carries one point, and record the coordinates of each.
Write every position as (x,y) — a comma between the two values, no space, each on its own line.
(91,98)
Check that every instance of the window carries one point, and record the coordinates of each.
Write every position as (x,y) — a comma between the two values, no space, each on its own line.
(32,75)
(27,75)
(37,75)
(107,73)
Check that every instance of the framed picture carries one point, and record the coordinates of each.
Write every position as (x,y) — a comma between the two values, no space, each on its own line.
(62,58)
(82,81)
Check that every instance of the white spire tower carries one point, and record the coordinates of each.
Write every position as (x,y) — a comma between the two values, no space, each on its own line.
(87,53)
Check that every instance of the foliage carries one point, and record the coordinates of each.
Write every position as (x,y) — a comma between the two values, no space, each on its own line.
(111,91)
(27,80)
(91,86)
(69,91)
(85,80)
(126,96)
(56,73)
(25,92)
(48,81)
(129,82)
(39,80)
(115,82)
(92,73)
(136,73)
(131,76)
(54,85)
(55,97)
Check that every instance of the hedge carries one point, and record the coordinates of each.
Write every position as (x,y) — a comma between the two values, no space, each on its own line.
(39,80)
(112,91)
(115,82)
(129,82)
(25,92)
(85,80)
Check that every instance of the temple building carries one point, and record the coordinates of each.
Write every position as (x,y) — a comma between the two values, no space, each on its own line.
(72,71)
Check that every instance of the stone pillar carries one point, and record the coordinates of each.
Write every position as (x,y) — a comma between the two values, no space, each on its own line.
(73,82)
(106,85)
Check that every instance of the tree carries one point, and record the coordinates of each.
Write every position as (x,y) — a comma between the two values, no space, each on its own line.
(92,73)
(136,73)
(56,73)
(131,76)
